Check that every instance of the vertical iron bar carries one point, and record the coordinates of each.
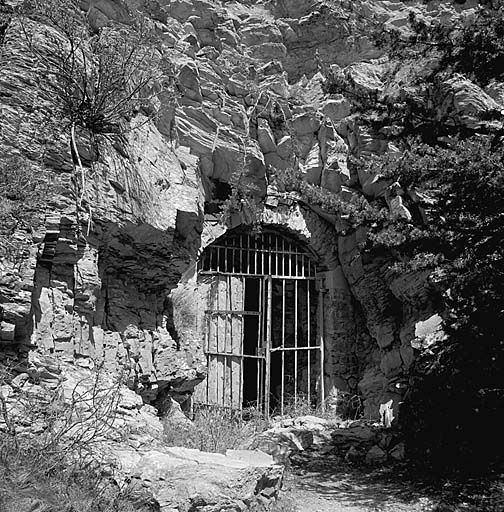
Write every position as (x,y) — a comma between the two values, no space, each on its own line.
(277,268)
(282,259)
(282,394)
(227,346)
(242,344)
(259,345)
(290,259)
(207,349)
(262,257)
(269,256)
(247,252)
(295,340)
(217,337)
(255,262)
(321,341)
(268,349)
(240,258)
(308,313)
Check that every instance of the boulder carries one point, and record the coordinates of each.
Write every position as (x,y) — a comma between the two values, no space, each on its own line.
(353,435)
(274,161)
(7,331)
(387,414)
(281,442)
(183,478)
(463,102)
(352,455)
(397,453)
(305,123)
(376,456)
(429,326)
(365,77)
(336,172)
(372,386)
(398,210)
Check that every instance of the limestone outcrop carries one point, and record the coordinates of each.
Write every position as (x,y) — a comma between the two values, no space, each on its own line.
(187,479)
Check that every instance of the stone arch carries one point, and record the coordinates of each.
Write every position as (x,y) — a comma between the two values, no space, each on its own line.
(297,221)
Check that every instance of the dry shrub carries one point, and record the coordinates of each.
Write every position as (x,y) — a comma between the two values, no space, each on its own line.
(24,189)
(216,429)
(49,448)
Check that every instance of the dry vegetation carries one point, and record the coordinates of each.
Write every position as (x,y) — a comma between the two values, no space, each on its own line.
(215,429)
(49,443)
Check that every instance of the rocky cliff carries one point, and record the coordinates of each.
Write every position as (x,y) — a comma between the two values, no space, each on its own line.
(105,270)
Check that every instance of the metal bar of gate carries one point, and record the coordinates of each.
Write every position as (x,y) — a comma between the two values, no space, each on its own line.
(258,346)
(231,312)
(267,250)
(274,276)
(295,342)
(297,349)
(268,348)
(232,391)
(322,362)
(242,343)
(283,354)
(308,334)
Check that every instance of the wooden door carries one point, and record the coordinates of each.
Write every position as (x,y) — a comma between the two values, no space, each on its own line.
(223,343)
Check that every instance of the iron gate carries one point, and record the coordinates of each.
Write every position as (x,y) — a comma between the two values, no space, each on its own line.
(260,323)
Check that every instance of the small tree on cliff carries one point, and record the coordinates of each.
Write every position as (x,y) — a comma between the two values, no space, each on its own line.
(453,184)
(96,83)
(453,407)
(456,196)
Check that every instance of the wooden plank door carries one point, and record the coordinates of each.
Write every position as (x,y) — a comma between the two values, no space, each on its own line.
(223,343)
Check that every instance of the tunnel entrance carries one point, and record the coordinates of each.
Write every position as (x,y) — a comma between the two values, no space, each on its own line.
(260,322)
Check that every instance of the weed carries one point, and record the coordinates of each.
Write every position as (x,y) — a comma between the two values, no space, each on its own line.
(216,429)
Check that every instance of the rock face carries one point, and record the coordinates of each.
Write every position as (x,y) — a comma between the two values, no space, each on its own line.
(97,278)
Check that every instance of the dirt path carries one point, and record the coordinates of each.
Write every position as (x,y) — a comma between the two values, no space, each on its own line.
(340,492)
(327,484)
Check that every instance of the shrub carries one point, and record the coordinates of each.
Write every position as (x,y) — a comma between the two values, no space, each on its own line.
(473,46)
(216,429)
(354,211)
(24,193)
(48,448)
(452,409)
(96,82)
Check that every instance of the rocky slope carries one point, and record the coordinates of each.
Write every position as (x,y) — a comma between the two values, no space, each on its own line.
(97,278)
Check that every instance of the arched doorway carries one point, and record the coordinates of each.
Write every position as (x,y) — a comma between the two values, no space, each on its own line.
(260,322)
